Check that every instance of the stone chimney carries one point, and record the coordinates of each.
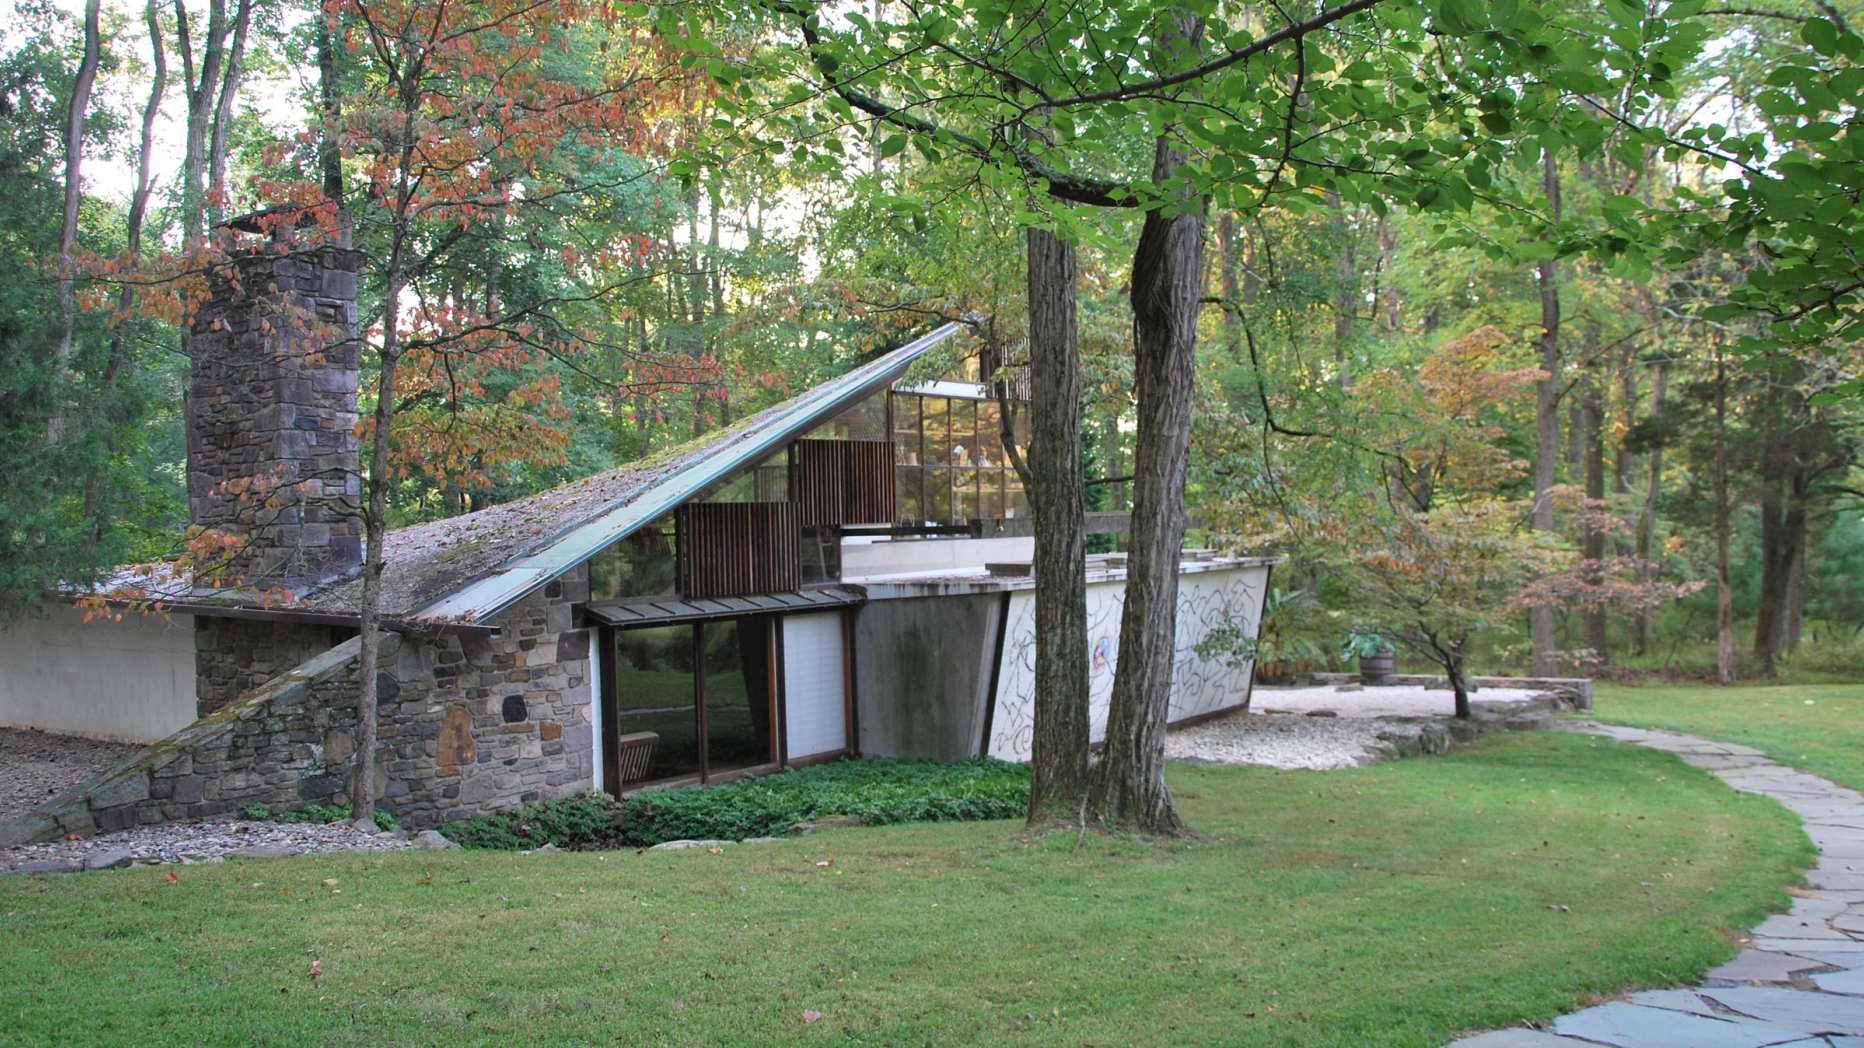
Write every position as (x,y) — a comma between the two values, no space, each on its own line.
(272,446)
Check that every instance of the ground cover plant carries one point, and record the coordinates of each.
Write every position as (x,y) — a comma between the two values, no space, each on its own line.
(879,792)
(1392,905)
(1816,728)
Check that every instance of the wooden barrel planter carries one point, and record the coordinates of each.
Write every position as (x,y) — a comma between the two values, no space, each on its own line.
(1373,669)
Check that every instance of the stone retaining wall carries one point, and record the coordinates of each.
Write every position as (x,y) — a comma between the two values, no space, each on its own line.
(469,721)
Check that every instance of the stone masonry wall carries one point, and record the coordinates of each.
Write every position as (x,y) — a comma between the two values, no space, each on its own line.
(468,722)
(272,445)
(234,656)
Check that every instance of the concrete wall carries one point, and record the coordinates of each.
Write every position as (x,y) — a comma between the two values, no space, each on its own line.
(861,560)
(922,673)
(1206,600)
(131,680)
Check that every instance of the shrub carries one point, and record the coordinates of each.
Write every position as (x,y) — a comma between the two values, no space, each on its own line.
(328,813)
(586,820)
(878,791)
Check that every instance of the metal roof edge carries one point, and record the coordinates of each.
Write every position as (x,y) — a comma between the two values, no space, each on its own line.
(551,557)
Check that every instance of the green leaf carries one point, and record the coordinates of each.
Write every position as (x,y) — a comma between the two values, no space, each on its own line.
(892,145)
(1821,35)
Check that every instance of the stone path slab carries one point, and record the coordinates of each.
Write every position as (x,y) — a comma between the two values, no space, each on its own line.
(1849,982)
(1798,1009)
(1763,966)
(1637,1026)
(1802,983)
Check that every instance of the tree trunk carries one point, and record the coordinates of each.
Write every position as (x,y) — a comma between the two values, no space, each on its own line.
(1724,590)
(223,114)
(1796,597)
(1593,412)
(199,87)
(1783,541)
(74,197)
(1389,301)
(1547,418)
(330,100)
(1454,667)
(375,520)
(1227,287)
(1057,497)
(1647,520)
(138,210)
(1167,294)
(1346,291)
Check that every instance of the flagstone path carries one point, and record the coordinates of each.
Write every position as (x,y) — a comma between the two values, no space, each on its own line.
(1801,985)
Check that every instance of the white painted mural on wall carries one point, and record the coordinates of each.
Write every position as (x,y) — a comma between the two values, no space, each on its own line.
(1206,600)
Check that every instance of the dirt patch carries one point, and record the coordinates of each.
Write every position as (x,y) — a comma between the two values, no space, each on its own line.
(35,765)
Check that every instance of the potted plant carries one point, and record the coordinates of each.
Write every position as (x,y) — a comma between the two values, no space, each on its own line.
(1285,643)
(1377,659)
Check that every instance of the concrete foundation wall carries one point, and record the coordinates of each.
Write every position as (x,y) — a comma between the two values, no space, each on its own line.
(922,674)
(1206,601)
(131,680)
(865,559)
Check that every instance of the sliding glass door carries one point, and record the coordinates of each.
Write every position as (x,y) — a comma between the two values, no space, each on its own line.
(689,700)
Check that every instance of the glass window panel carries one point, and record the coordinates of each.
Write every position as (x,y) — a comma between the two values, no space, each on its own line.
(906,428)
(866,420)
(1018,503)
(989,434)
(936,415)
(737,694)
(654,692)
(964,432)
(990,494)
(640,565)
(938,496)
(910,487)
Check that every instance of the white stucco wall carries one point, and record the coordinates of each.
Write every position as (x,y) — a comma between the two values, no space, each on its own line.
(131,680)
(1206,600)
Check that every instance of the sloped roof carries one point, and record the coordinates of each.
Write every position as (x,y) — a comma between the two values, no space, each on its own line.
(464,570)
(468,568)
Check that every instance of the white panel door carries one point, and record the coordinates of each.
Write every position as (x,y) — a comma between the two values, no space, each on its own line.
(814,685)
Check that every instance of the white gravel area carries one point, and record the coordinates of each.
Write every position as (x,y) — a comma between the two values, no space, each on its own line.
(1325,727)
(1385,700)
(1291,740)
(210,841)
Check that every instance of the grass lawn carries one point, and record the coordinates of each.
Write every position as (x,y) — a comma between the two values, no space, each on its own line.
(1814,727)
(1393,905)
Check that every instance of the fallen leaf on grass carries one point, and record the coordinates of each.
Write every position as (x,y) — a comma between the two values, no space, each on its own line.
(173,876)
(317,969)
(330,882)
(811,1015)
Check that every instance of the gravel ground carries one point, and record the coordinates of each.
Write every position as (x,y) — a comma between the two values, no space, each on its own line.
(1324,727)
(35,765)
(212,841)
(1396,700)
(1291,740)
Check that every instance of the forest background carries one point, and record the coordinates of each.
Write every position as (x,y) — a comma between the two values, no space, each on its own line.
(1360,365)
